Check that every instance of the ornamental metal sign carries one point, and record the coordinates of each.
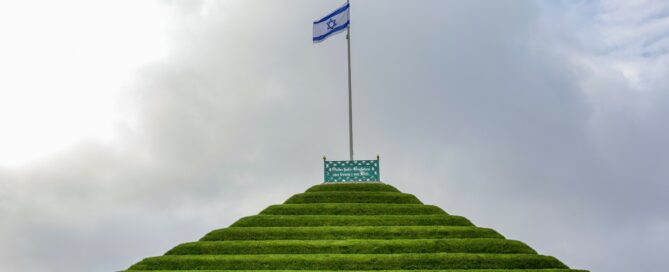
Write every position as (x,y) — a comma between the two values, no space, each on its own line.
(351,171)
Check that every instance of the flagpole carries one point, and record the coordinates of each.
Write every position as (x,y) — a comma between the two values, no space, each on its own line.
(350,100)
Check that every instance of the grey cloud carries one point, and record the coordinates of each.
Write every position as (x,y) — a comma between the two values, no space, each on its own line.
(468,104)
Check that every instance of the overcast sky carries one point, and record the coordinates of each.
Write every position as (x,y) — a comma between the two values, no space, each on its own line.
(128,127)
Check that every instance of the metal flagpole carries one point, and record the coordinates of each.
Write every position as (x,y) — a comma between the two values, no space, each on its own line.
(350,100)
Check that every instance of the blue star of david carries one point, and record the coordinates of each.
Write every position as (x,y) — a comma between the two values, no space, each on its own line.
(332,23)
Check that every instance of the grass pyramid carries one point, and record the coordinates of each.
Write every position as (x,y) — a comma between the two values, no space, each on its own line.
(355,227)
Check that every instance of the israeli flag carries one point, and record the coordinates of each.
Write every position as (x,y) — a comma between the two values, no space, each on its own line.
(333,23)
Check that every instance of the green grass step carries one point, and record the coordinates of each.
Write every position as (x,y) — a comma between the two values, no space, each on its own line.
(352,247)
(351,209)
(367,186)
(350,220)
(446,270)
(340,233)
(353,197)
(350,262)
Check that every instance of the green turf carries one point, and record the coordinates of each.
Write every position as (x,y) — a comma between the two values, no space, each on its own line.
(351,209)
(353,197)
(353,187)
(350,220)
(350,261)
(346,232)
(442,270)
(353,247)
(421,270)
(352,227)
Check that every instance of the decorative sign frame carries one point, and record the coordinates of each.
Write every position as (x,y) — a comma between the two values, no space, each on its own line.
(351,171)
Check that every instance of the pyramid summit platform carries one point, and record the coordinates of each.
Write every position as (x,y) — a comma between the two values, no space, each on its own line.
(353,227)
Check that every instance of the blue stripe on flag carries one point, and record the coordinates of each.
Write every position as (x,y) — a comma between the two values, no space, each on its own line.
(333,31)
(340,10)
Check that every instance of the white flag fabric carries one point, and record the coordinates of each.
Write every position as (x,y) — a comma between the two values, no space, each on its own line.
(333,23)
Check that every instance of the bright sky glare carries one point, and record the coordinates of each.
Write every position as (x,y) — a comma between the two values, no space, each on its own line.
(50,96)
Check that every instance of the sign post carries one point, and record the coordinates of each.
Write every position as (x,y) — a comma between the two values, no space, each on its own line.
(351,171)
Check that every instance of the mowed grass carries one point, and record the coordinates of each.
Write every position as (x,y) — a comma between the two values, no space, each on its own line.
(350,220)
(441,270)
(352,227)
(353,197)
(353,247)
(353,187)
(351,209)
(348,232)
(350,262)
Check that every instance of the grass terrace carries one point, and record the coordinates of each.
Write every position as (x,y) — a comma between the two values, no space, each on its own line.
(353,227)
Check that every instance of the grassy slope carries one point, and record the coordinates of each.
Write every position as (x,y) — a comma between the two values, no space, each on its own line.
(353,197)
(353,226)
(351,209)
(351,261)
(347,232)
(353,187)
(485,245)
(350,220)
(418,270)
